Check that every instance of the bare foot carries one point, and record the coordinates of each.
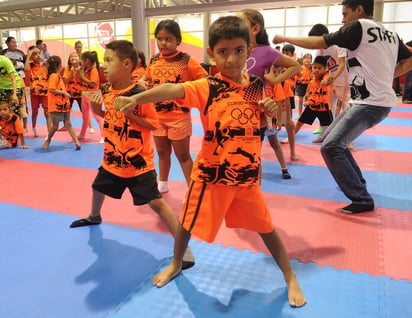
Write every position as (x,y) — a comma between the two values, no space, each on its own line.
(317,140)
(295,294)
(166,275)
(78,146)
(188,259)
(46,144)
(294,158)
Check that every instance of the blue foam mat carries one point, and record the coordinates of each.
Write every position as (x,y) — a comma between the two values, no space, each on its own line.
(49,270)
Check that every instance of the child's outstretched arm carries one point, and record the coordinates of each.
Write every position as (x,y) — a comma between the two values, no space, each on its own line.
(97,102)
(155,95)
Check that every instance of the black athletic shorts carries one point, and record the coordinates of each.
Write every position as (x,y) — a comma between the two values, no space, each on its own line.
(309,115)
(143,187)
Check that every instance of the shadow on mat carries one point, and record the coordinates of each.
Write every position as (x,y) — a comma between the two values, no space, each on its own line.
(117,272)
(243,302)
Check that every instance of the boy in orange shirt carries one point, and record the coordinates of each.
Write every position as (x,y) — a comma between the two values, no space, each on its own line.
(11,128)
(36,75)
(225,176)
(128,160)
(303,80)
(317,99)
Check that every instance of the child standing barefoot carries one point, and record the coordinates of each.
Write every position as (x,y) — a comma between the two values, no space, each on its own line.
(58,101)
(225,177)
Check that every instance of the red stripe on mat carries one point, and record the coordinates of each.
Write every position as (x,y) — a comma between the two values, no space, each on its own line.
(312,230)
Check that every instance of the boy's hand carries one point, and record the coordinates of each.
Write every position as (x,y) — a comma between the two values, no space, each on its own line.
(96,100)
(124,103)
(269,105)
(25,147)
(269,76)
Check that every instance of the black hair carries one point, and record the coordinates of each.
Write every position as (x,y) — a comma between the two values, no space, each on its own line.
(170,26)
(92,57)
(255,17)
(31,47)
(228,27)
(289,48)
(320,60)
(53,64)
(318,30)
(124,50)
(8,40)
(366,4)
(38,42)
(142,57)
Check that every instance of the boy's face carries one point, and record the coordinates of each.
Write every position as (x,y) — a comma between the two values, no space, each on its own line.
(230,56)
(318,70)
(114,68)
(36,55)
(166,42)
(307,61)
(4,110)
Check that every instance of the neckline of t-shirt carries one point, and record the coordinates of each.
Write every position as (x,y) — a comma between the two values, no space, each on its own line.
(169,56)
(246,76)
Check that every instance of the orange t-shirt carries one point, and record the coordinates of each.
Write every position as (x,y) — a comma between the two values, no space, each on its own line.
(38,79)
(230,114)
(57,102)
(137,74)
(177,68)
(305,75)
(74,86)
(11,129)
(318,95)
(287,89)
(93,76)
(128,149)
(278,94)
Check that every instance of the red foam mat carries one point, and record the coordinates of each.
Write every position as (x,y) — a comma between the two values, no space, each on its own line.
(312,230)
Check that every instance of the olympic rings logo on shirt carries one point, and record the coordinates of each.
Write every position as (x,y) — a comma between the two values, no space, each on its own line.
(164,72)
(112,115)
(245,116)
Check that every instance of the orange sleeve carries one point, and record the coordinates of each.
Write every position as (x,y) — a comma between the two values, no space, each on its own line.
(278,94)
(196,93)
(19,127)
(66,73)
(196,70)
(287,89)
(148,112)
(94,77)
(53,81)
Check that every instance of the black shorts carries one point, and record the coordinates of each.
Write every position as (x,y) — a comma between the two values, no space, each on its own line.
(292,102)
(143,188)
(309,115)
(300,89)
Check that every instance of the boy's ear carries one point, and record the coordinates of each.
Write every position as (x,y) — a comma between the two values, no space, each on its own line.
(128,64)
(210,53)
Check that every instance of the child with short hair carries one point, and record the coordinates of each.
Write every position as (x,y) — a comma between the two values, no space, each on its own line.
(58,101)
(171,65)
(128,160)
(140,69)
(225,175)
(11,128)
(317,99)
(303,79)
(36,75)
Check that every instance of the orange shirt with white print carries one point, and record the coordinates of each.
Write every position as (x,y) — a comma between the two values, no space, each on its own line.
(177,68)
(137,74)
(57,102)
(305,72)
(318,95)
(230,114)
(93,76)
(11,129)
(128,149)
(74,86)
(38,79)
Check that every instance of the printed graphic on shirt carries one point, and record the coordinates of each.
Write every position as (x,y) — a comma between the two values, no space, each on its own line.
(57,102)
(177,69)
(358,90)
(230,116)
(74,86)
(11,129)
(93,76)
(128,151)
(38,79)
(305,75)
(318,95)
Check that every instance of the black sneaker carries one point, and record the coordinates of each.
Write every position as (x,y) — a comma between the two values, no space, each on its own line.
(358,208)
(286,174)
(96,220)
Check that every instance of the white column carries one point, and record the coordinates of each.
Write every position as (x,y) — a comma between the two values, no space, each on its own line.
(140,31)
